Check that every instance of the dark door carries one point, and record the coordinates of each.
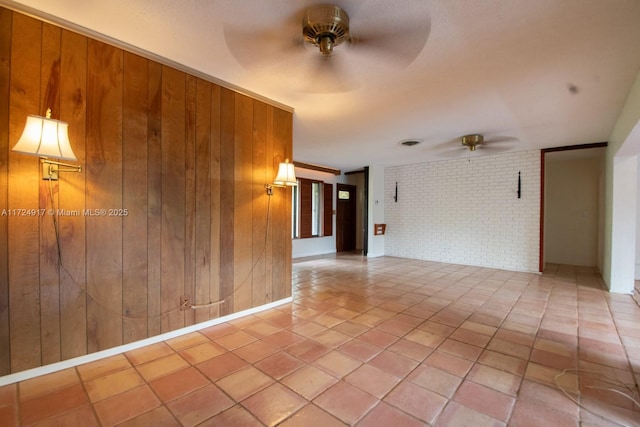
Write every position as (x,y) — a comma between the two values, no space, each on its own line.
(346,218)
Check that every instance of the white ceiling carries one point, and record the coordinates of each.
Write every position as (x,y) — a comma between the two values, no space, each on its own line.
(535,74)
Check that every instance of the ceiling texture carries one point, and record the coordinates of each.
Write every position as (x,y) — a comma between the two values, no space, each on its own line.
(525,74)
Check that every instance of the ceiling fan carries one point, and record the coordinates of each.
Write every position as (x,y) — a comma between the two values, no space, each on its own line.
(325,49)
(476,142)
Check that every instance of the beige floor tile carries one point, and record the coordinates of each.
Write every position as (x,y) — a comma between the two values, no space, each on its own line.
(274,404)
(163,366)
(309,381)
(244,383)
(112,384)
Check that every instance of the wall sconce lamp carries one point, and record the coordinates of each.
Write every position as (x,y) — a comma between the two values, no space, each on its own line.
(286,177)
(47,138)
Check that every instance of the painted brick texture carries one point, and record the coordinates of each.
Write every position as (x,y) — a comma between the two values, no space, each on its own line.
(466,211)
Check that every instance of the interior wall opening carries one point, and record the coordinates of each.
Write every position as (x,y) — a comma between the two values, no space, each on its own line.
(573,201)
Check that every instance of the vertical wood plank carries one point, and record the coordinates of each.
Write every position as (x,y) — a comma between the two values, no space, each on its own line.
(173,197)
(190,196)
(282,128)
(227,193)
(285,231)
(203,196)
(243,257)
(260,287)
(215,291)
(154,200)
(6,18)
(24,181)
(104,192)
(270,172)
(73,301)
(134,198)
(49,257)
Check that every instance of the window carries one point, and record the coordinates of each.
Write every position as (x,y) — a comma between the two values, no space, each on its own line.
(316,206)
(343,195)
(312,209)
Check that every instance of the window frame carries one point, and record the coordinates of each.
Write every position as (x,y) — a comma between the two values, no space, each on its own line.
(305,222)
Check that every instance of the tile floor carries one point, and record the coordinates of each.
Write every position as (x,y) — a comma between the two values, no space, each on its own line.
(379,342)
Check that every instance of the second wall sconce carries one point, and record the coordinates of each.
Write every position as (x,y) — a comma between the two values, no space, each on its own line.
(286,177)
(47,138)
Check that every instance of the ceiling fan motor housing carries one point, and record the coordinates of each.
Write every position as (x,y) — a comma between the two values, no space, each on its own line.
(325,26)
(472,141)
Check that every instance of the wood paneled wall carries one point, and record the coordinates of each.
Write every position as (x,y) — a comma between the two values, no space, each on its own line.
(187,161)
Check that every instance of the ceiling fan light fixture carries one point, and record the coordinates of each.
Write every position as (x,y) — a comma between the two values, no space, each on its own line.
(326,45)
(472,141)
(325,26)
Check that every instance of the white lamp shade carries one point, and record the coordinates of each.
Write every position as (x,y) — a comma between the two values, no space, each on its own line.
(45,137)
(286,175)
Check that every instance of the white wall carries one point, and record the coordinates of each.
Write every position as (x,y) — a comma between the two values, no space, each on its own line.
(466,211)
(571,207)
(623,230)
(621,192)
(637,272)
(378,199)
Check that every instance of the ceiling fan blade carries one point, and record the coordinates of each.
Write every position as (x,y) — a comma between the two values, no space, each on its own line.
(454,153)
(450,144)
(501,140)
(394,33)
(498,144)
(396,48)
(254,48)
(488,149)
(450,149)
(329,75)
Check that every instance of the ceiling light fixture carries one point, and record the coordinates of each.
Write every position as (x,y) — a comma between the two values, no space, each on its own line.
(410,142)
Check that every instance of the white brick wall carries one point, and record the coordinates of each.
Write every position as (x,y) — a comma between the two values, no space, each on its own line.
(466,211)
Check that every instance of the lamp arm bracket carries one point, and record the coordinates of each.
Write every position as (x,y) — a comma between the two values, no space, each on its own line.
(51,168)
(72,168)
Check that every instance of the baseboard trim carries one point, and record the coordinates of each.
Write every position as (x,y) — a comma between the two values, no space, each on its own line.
(80,360)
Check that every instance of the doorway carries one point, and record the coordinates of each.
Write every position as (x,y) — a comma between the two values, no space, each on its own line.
(572,206)
(345,218)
